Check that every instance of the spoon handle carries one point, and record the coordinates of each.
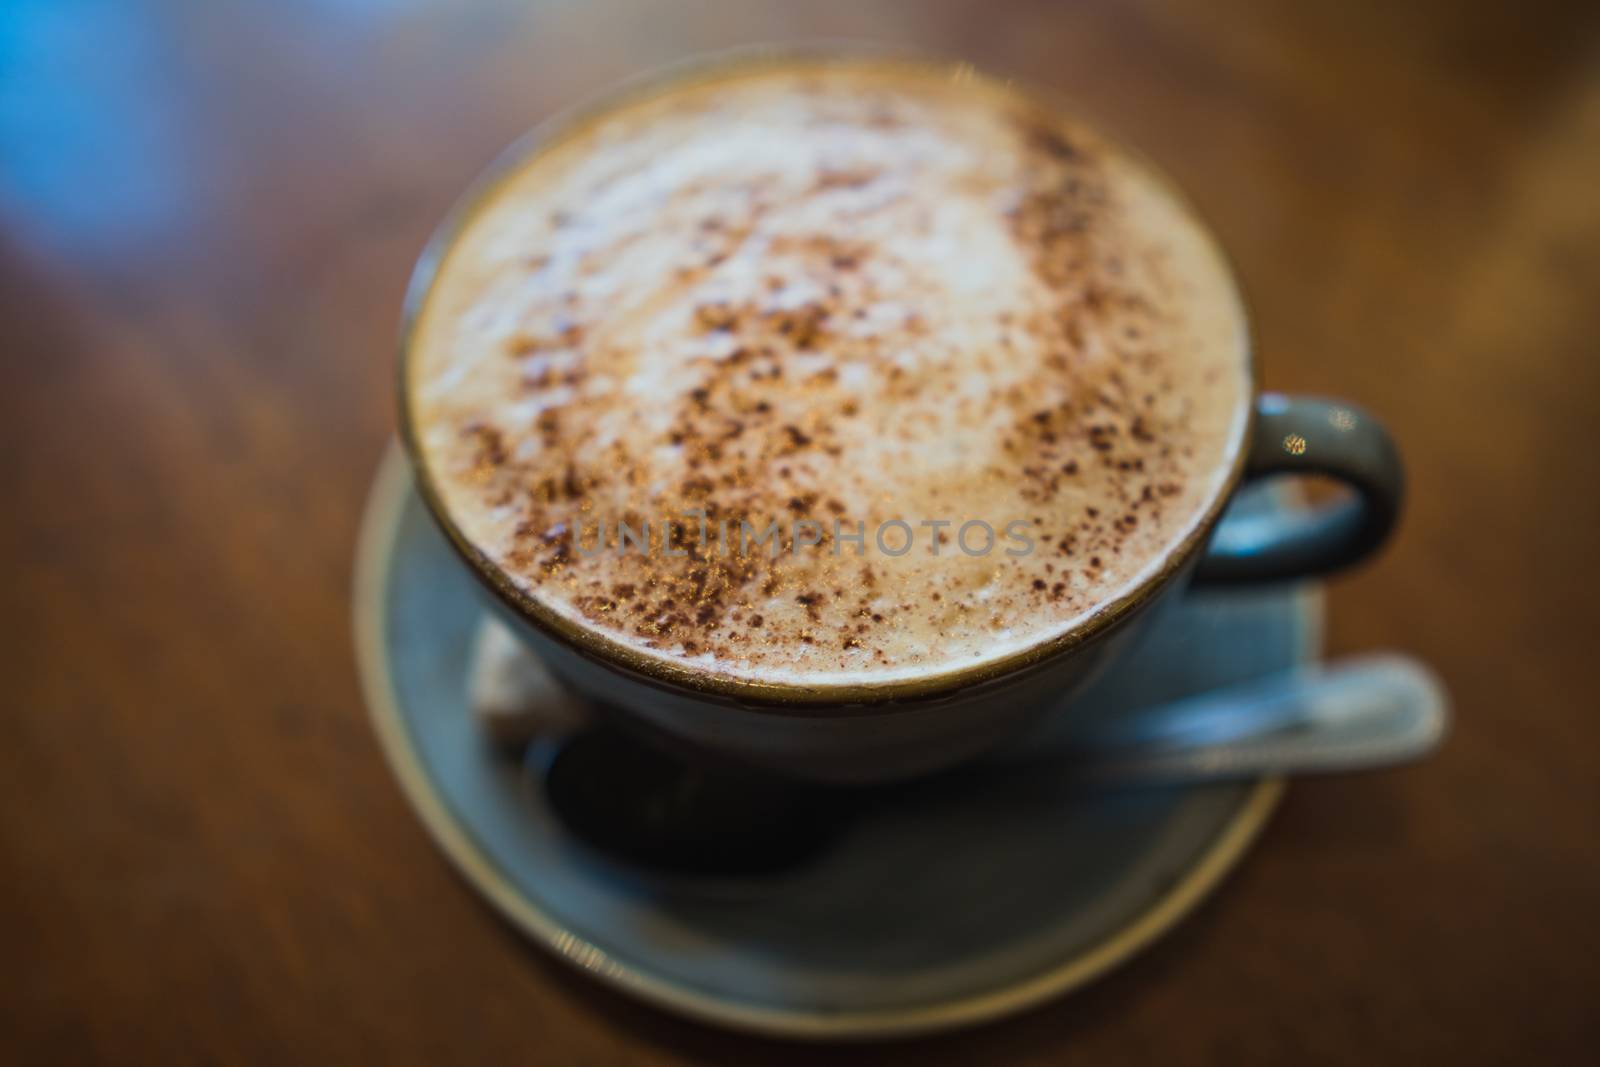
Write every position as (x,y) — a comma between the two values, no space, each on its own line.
(1374,711)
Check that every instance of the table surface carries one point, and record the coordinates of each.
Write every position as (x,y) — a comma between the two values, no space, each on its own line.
(207,216)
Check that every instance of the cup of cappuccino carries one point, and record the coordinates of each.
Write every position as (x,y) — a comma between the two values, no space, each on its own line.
(838,413)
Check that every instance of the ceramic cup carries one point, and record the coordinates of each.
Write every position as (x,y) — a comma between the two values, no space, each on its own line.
(910,726)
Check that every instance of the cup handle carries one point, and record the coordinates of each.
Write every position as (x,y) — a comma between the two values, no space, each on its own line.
(1303,435)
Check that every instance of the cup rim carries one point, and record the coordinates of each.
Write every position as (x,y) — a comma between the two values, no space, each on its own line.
(816,698)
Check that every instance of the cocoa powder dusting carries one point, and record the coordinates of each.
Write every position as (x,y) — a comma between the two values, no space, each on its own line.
(819,350)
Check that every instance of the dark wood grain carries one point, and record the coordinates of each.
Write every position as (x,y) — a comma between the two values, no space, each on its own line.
(207,214)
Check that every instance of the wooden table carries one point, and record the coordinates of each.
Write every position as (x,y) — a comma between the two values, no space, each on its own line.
(207,215)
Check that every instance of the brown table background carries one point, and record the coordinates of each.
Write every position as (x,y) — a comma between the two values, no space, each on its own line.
(207,215)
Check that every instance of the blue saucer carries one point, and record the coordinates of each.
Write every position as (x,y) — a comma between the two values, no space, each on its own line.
(961,908)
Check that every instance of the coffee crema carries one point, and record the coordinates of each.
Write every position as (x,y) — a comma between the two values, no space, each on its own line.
(847,293)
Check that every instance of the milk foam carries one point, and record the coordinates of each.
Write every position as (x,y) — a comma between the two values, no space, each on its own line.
(847,292)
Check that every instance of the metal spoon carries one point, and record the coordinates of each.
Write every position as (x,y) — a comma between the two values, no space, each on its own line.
(632,802)
(1360,714)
